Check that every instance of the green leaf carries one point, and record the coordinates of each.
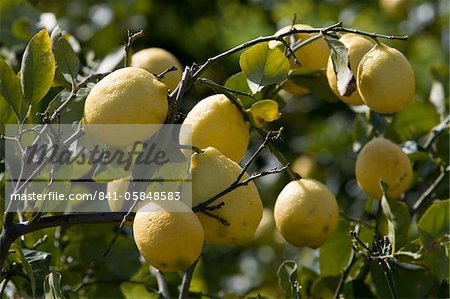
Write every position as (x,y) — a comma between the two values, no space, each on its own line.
(397,214)
(416,120)
(315,81)
(437,262)
(52,286)
(38,68)
(10,90)
(134,290)
(67,62)
(324,287)
(18,22)
(25,265)
(336,252)
(435,222)
(263,66)
(287,279)
(238,82)
(362,132)
(346,82)
(264,111)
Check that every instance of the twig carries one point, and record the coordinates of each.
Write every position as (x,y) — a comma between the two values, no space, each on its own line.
(436,132)
(129,43)
(186,282)
(430,189)
(170,69)
(163,289)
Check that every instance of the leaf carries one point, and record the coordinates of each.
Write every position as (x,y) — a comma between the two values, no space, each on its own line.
(346,82)
(315,81)
(111,61)
(416,120)
(10,90)
(397,214)
(361,134)
(133,290)
(263,66)
(324,287)
(437,262)
(52,286)
(287,279)
(238,82)
(435,222)
(67,62)
(25,265)
(264,111)
(38,68)
(336,252)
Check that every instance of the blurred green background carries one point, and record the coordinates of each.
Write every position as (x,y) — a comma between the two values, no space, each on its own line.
(317,131)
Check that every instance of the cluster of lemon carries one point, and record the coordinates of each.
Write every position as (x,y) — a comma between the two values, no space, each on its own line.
(306,212)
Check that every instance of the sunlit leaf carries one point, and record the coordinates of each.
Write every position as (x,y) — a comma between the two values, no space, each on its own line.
(397,214)
(264,111)
(238,82)
(416,120)
(435,222)
(11,91)
(346,82)
(263,66)
(38,67)
(336,252)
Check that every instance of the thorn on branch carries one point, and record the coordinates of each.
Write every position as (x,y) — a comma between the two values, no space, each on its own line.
(222,220)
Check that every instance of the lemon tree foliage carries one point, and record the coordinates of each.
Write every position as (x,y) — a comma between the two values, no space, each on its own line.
(318,152)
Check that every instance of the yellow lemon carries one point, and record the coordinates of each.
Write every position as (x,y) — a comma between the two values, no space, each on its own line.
(116,191)
(216,122)
(385,79)
(306,213)
(357,47)
(381,159)
(168,240)
(128,96)
(212,172)
(156,61)
(311,56)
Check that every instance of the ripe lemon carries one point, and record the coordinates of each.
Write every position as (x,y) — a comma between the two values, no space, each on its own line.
(212,172)
(357,46)
(306,213)
(128,96)
(116,190)
(218,123)
(168,240)
(385,79)
(156,61)
(312,56)
(381,159)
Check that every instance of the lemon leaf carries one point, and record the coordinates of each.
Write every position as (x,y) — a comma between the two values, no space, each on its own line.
(67,61)
(346,82)
(38,67)
(287,278)
(52,286)
(263,66)
(10,90)
(264,111)
(435,222)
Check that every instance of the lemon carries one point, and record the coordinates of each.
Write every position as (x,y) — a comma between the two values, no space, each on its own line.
(381,159)
(116,190)
(311,56)
(357,47)
(385,79)
(168,240)
(216,122)
(306,213)
(128,96)
(212,172)
(156,61)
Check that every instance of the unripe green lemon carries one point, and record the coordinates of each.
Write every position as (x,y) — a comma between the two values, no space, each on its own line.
(128,96)
(212,172)
(168,240)
(385,79)
(381,159)
(156,61)
(216,122)
(311,56)
(357,47)
(306,213)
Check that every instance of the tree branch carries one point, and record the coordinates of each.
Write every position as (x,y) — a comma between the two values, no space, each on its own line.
(186,283)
